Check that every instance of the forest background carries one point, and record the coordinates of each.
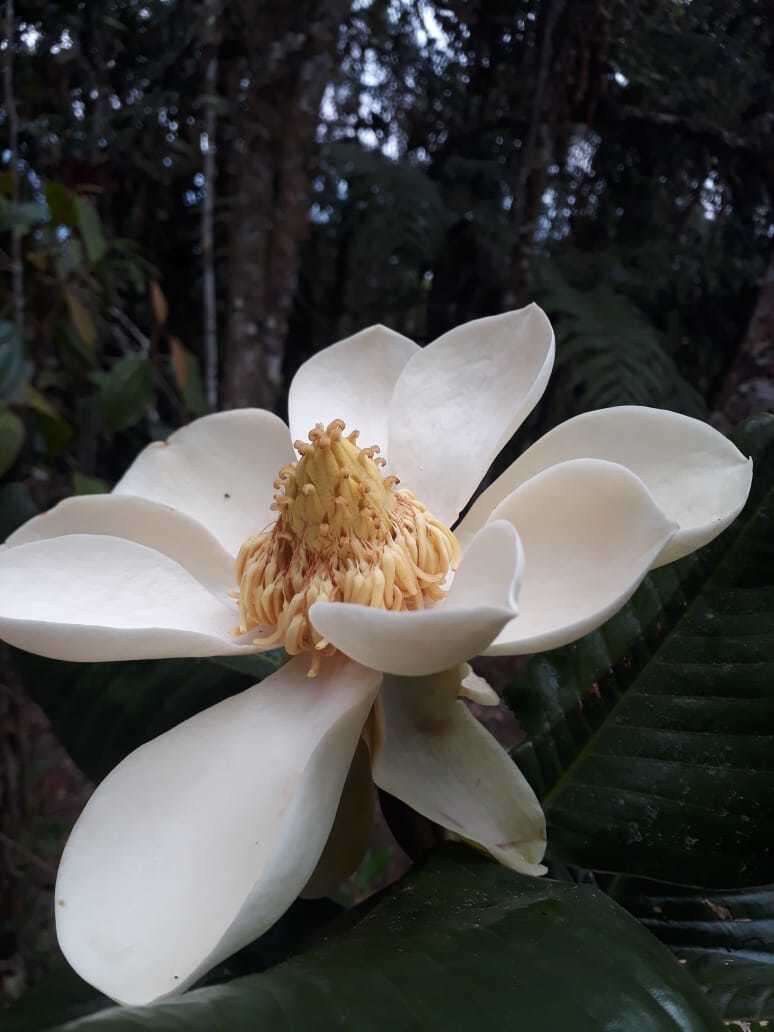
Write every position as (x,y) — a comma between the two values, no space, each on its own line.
(197,195)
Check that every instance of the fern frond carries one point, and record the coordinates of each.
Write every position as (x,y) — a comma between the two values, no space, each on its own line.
(607,352)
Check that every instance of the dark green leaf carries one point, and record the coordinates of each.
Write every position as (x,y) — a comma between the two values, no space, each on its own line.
(56,431)
(652,740)
(13,368)
(82,320)
(84,485)
(12,435)
(91,230)
(61,204)
(16,507)
(725,939)
(257,667)
(125,392)
(62,996)
(69,258)
(21,216)
(187,377)
(461,944)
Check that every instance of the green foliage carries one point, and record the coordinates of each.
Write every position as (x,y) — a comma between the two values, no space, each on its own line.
(61,997)
(16,507)
(80,282)
(12,435)
(13,368)
(723,939)
(650,741)
(125,392)
(188,378)
(61,204)
(55,430)
(387,218)
(20,217)
(83,485)
(91,230)
(607,352)
(459,942)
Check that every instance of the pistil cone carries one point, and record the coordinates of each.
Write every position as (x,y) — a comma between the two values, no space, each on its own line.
(343,533)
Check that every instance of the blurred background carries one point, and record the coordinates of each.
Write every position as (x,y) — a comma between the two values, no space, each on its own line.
(196,195)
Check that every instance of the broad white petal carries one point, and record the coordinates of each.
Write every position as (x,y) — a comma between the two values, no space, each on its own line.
(160,527)
(591,532)
(199,840)
(439,760)
(352,380)
(91,597)
(220,470)
(481,601)
(697,477)
(460,399)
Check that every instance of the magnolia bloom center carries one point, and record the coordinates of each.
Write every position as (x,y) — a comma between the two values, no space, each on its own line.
(344,533)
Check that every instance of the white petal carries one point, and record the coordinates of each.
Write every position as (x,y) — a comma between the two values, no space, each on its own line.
(439,760)
(697,477)
(157,526)
(460,399)
(591,532)
(481,601)
(476,688)
(352,380)
(220,470)
(199,840)
(89,597)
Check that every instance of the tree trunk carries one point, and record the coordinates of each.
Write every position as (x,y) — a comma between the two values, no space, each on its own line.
(212,17)
(530,174)
(276,94)
(749,384)
(17,268)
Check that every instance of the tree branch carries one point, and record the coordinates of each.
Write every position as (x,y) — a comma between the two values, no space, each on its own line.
(17,269)
(553,10)
(699,128)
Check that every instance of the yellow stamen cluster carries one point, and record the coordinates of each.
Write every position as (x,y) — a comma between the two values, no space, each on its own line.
(344,533)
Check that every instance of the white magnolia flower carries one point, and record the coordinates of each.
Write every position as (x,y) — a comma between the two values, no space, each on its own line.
(199,840)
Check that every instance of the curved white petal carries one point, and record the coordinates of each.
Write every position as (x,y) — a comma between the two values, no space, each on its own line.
(157,526)
(591,531)
(697,477)
(476,688)
(481,601)
(352,380)
(90,597)
(439,760)
(199,840)
(220,470)
(460,399)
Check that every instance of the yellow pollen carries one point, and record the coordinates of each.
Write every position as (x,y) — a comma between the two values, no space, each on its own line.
(343,533)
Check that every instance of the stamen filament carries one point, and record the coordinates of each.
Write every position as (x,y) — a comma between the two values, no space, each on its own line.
(343,533)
